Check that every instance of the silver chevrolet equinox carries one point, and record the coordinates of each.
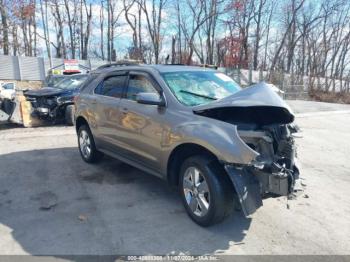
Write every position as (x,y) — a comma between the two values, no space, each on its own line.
(221,145)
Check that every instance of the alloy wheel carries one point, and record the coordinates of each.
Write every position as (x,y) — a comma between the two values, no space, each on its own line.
(85,144)
(196,191)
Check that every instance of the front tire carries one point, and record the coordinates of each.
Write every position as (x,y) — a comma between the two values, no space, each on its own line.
(87,147)
(205,190)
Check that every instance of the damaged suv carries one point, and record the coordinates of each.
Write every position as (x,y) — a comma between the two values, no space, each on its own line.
(219,144)
(56,104)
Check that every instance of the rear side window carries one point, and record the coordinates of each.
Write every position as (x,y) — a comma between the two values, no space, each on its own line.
(111,86)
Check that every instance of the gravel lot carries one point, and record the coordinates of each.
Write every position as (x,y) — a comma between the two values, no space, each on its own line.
(51,202)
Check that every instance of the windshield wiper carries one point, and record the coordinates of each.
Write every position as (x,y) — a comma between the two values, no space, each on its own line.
(196,94)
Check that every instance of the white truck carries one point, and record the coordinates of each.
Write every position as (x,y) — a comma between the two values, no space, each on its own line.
(8,109)
(7,91)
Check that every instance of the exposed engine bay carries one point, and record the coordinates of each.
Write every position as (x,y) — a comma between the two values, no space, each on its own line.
(56,103)
(274,172)
(47,108)
(51,104)
(275,167)
(264,123)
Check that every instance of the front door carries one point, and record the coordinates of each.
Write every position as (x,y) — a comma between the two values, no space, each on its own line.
(140,125)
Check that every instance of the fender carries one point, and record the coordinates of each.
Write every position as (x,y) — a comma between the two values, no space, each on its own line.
(216,134)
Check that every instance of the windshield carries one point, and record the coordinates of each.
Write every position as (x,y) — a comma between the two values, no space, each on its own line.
(71,82)
(200,87)
(52,81)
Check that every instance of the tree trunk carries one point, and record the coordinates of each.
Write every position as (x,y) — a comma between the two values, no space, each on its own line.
(5,32)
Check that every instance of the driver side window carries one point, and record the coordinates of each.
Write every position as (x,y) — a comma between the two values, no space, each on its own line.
(139,84)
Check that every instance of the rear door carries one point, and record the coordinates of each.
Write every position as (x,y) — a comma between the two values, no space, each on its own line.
(107,97)
(141,126)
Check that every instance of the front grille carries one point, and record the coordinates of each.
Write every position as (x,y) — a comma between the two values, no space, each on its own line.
(42,101)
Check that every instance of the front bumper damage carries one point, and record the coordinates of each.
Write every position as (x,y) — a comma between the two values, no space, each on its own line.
(252,186)
(265,124)
(275,172)
(247,189)
(48,108)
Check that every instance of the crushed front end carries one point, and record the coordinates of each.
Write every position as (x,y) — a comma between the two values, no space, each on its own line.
(49,104)
(274,172)
(45,108)
(264,123)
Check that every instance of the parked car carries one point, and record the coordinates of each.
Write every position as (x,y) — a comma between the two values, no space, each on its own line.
(56,104)
(194,127)
(7,91)
(53,80)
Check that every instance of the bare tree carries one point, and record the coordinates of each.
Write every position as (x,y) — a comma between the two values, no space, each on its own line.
(59,26)
(132,12)
(154,23)
(192,22)
(290,29)
(4,22)
(86,34)
(72,16)
(258,20)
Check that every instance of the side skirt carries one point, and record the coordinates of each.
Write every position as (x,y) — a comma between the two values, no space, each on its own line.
(133,163)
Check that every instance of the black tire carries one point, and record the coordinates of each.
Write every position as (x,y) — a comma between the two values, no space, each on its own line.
(69,115)
(220,190)
(94,155)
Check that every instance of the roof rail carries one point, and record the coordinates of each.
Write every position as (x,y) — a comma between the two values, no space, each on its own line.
(199,65)
(121,63)
(175,64)
(208,66)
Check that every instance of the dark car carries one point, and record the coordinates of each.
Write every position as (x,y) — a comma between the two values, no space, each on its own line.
(56,104)
(53,80)
(196,128)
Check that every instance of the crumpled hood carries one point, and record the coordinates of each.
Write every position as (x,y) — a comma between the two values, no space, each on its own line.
(45,91)
(255,104)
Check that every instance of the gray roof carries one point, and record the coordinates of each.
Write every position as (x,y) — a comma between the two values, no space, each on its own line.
(159,68)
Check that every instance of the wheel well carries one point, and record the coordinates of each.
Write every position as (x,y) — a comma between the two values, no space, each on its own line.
(62,108)
(179,154)
(79,122)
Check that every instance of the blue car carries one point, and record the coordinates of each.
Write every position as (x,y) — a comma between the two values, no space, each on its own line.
(56,104)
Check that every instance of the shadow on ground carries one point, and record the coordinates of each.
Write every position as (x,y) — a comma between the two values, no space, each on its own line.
(53,203)
(4,125)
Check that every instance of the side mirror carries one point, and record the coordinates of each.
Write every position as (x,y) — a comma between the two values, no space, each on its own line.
(150,99)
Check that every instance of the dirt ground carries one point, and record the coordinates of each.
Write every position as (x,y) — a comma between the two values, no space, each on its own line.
(53,203)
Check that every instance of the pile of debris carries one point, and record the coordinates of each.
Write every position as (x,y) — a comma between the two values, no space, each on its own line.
(17,110)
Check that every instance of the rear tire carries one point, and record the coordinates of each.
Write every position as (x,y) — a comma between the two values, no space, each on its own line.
(69,115)
(208,196)
(86,145)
